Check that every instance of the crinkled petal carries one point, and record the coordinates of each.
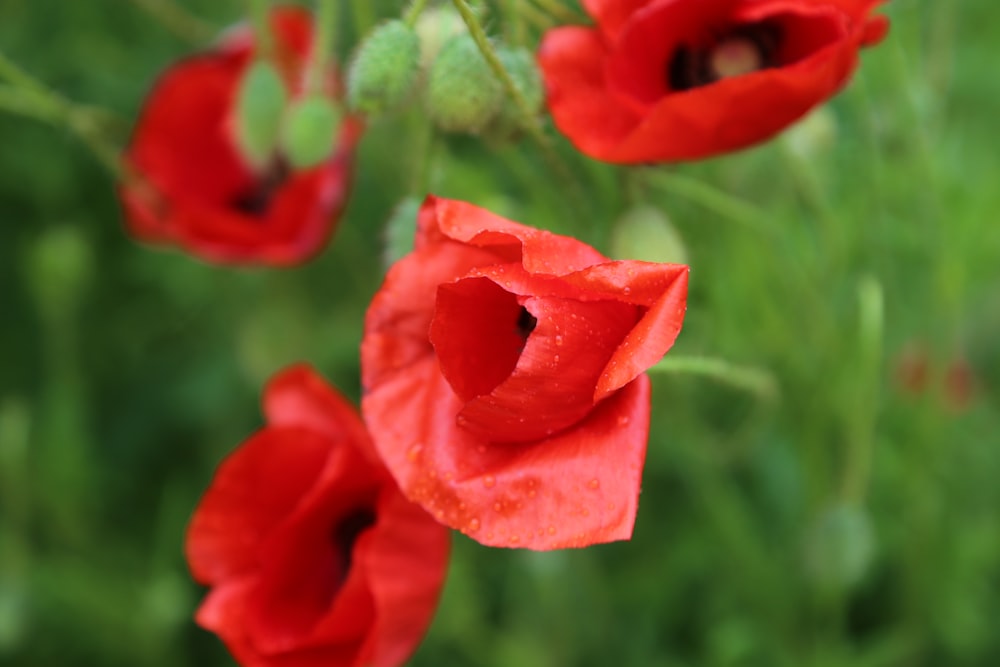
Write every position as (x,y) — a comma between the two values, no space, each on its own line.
(560,492)
(253,491)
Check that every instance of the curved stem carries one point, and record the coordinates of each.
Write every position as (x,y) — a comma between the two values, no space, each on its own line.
(177,20)
(323,47)
(29,97)
(260,15)
(413,13)
(528,119)
(754,380)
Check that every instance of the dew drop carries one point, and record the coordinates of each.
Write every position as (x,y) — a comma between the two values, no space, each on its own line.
(439,514)
(594,484)
(627,290)
(462,507)
(473,525)
(448,476)
(414,452)
(623,420)
(489,481)
(532,493)
(559,340)
(497,506)
(514,539)
(555,358)
(552,530)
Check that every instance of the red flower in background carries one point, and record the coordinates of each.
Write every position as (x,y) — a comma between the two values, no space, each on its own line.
(503,374)
(189,184)
(664,80)
(313,556)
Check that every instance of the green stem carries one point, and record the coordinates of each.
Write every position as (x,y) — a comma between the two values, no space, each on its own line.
(514,21)
(260,14)
(326,21)
(528,118)
(754,380)
(364,18)
(729,207)
(871,317)
(531,14)
(29,97)
(560,12)
(413,13)
(177,20)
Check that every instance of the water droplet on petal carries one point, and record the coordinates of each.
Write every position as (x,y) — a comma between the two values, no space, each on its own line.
(623,420)
(497,506)
(414,452)
(552,530)
(489,481)
(594,483)
(514,539)
(473,525)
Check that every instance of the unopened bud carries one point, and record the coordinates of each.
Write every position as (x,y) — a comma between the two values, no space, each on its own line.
(813,135)
(384,69)
(840,547)
(400,230)
(309,131)
(520,65)
(645,233)
(260,103)
(463,94)
(435,27)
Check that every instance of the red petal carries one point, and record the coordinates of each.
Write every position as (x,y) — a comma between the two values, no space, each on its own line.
(254,489)
(539,495)
(572,61)
(300,397)
(405,562)
(475,335)
(612,15)
(539,251)
(552,386)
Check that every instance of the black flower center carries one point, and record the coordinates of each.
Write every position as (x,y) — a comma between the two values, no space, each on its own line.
(255,200)
(526,323)
(346,533)
(738,51)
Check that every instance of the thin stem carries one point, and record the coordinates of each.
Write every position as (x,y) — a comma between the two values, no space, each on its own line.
(754,380)
(364,18)
(531,14)
(736,210)
(326,21)
(261,17)
(528,118)
(177,20)
(31,98)
(514,21)
(560,12)
(871,316)
(413,13)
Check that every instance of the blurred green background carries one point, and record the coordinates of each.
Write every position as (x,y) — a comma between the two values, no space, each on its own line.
(852,520)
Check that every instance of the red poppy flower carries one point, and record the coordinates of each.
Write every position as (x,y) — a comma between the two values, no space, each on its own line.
(503,374)
(313,556)
(189,184)
(664,80)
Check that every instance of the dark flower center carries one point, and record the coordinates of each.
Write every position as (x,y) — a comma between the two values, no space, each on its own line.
(255,200)
(739,51)
(526,323)
(346,533)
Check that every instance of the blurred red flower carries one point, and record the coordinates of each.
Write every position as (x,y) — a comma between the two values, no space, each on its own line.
(189,184)
(503,374)
(667,80)
(312,554)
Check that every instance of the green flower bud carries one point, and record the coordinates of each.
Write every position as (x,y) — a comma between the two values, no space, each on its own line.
(400,230)
(60,267)
(260,103)
(309,131)
(520,64)
(840,547)
(813,135)
(645,233)
(463,95)
(435,26)
(384,68)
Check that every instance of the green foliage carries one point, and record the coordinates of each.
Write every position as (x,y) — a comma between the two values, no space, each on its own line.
(116,406)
